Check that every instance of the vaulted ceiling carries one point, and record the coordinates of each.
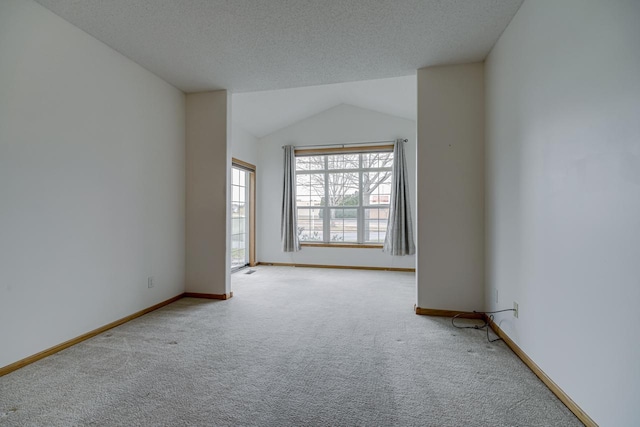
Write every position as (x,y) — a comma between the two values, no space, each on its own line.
(261,113)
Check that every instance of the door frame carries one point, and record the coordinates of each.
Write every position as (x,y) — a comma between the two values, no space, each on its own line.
(248,167)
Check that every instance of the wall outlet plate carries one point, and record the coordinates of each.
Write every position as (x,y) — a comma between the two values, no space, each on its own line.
(150,282)
(515,308)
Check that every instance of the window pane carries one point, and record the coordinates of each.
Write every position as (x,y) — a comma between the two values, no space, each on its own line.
(237,225)
(343,225)
(238,257)
(310,189)
(309,163)
(376,188)
(235,193)
(237,240)
(377,160)
(343,189)
(344,161)
(310,225)
(302,163)
(375,224)
(238,210)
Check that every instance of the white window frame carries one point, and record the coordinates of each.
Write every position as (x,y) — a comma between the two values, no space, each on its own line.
(326,209)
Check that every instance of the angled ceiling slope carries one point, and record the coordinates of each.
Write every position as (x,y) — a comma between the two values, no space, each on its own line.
(262,113)
(249,45)
(341,116)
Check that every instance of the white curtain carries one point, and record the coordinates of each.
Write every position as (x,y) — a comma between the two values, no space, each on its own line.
(399,238)
(289,219)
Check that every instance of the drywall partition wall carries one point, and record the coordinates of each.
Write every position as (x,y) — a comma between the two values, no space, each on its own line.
(450,187)
(91,183)
(563,196)
(340,124)
(208,170)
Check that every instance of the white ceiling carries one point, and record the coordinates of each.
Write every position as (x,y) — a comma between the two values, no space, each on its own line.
(262,113)
(250,45)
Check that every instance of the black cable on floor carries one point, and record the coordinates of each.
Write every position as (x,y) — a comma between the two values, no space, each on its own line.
(487,315)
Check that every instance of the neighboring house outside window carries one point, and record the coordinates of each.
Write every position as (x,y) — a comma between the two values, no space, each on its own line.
(343,197)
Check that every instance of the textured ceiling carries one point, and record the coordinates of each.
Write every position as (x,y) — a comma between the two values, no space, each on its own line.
(262,113)
(249,45)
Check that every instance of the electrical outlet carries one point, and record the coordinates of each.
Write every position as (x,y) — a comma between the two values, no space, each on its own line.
(497,297)
(515,308)
(150,282)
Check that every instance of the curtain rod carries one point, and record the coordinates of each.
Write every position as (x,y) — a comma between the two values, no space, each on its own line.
(346,144)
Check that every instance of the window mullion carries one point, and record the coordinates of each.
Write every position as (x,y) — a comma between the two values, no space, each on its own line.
(359,216)
(326,220)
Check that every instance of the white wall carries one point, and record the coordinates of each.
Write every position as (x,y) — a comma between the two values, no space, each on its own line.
(244,146)
(208,261)
(450,187)
(91,183)
(340,124)
(563,196)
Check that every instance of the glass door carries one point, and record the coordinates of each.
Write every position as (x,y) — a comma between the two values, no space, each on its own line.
(239,218)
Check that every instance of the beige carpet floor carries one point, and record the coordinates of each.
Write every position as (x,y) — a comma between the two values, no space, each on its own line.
(294,347)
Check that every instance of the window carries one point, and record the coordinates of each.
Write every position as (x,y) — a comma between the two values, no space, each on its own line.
(343,197)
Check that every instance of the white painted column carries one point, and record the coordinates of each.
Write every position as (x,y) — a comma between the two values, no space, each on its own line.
(208,171)
(450,157)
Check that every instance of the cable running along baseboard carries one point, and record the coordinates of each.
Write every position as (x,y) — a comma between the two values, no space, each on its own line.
(487,318)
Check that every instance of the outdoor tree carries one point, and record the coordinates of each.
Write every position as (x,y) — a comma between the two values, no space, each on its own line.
(342,186)
(372,180)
